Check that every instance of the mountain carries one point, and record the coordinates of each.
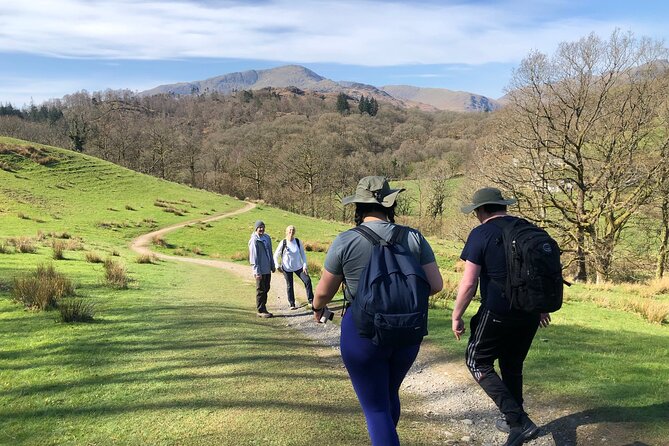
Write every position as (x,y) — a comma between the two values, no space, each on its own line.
(442,99)
(304,79)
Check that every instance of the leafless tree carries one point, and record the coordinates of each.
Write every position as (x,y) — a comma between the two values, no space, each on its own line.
(578,143)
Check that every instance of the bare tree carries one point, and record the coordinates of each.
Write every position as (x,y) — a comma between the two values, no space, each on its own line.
(578,143)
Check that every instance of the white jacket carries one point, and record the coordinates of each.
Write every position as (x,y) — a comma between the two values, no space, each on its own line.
(293,258)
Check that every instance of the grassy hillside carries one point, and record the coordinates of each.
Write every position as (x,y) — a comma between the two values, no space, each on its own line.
(179,358)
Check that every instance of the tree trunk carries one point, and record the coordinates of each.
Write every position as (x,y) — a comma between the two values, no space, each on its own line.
(581,270)
(664,241)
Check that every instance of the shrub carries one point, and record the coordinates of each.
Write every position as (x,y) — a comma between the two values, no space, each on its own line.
(6,166)
(75,310)
(445,296)
(115,253)
(175,211)
(58,250)
(240,255)
(42,289)
(147,258)
(314,268)
(197,251)
(93,257)
(23,216)
(24,245)
(179,252)
(129,208)
(5,247)
(74,245)
(116,274)
(315,247)
(657,287)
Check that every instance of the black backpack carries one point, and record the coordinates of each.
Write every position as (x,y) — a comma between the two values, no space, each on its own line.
(534,280)
(284,242)
(391,301)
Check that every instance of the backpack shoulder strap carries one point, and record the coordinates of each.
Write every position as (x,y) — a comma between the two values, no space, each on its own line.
(370,235)
(283,246)
(297,240)
(398,233)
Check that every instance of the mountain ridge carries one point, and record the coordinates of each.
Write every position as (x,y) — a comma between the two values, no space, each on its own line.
(300,77)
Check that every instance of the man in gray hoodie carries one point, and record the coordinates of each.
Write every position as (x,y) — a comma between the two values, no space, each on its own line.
(262,264)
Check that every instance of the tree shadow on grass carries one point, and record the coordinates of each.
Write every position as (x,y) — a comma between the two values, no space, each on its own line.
(563,430)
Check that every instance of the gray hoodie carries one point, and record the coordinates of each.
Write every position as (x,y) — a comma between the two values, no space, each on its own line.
(260,254)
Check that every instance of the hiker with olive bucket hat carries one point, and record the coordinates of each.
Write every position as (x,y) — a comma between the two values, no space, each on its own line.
(376,358)
(503,329)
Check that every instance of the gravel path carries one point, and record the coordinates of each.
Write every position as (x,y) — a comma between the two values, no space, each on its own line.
(441,392)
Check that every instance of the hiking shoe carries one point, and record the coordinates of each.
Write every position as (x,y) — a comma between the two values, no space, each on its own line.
(265,314)
(518,435)
(293,307)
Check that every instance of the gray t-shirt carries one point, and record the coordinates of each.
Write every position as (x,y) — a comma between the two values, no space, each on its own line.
(350,252)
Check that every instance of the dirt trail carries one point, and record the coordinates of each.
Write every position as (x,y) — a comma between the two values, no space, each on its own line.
(441,391)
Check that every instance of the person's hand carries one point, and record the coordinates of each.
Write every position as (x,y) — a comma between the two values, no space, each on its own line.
(273,269)
(304,269)
(544,320)
(458,326)
(257,276)
(318,314)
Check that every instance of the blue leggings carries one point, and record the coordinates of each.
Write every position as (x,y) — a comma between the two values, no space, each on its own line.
(376,374)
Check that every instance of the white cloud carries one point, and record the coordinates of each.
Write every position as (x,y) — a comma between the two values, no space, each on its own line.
(342,31)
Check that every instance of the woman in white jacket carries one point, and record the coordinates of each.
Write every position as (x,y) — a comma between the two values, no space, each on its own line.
(292,260)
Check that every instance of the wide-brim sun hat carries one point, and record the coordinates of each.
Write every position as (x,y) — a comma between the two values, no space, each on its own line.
(373,190)
(487,195)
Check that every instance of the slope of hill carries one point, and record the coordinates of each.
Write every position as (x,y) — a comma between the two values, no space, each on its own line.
(49,189)
(442,99)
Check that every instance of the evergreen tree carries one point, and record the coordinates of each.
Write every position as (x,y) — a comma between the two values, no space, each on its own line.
(373,107)
(361,105)
(342,104)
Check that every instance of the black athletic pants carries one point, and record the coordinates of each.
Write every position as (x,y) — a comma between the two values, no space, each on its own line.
(506,340)
(262,288)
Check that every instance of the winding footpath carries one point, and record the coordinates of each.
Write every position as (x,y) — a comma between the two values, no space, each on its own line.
(441,391)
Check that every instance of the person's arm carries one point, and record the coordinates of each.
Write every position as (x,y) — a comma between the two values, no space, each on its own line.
(325,290)
(271,258)
(303,256)
(433,277)
(277,254)
(466,292)
(253,254)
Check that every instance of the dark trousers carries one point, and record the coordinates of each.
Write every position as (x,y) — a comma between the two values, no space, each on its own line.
(288,275)
(262,288)
(506,340)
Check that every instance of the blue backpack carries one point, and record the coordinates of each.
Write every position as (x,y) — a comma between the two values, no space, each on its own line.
(391,302)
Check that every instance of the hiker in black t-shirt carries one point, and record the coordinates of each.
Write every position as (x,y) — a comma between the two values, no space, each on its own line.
(498,332)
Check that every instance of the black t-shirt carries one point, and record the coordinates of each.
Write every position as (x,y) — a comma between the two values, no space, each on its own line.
(484,248)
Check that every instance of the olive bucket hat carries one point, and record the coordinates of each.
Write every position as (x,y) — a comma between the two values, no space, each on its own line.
(487,195)
(373,190)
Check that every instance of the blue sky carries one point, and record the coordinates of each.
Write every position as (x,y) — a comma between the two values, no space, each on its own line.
(49,48)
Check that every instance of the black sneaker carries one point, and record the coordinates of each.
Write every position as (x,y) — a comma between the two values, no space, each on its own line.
(518,435)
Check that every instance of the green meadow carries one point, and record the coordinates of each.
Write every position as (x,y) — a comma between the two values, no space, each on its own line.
(179,357)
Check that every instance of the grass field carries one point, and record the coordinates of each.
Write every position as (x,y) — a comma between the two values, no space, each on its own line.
(178,358)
